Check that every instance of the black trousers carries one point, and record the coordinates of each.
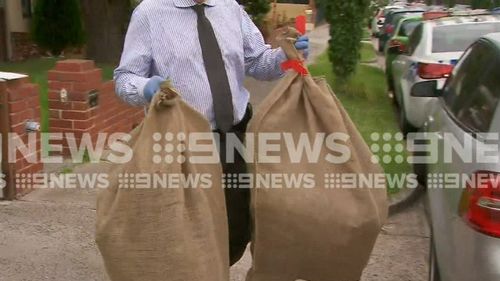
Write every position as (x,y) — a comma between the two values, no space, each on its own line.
(237,199)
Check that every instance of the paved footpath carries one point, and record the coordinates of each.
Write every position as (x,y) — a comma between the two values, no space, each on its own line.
(49,234)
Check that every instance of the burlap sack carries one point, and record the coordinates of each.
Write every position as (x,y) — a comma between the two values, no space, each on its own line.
(320,233)
(174,234)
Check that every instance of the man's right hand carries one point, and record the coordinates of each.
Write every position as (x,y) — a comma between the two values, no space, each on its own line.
(152,87)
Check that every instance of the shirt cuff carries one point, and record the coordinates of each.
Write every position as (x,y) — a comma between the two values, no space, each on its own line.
(281,56)
(280,59)
(140,84)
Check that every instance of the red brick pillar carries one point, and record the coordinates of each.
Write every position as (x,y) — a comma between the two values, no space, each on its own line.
(19,103)
(71,84)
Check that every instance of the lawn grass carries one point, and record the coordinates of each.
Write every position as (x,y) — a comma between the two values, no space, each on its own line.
(367,34)
(37,70)
(367,53)
(365,99)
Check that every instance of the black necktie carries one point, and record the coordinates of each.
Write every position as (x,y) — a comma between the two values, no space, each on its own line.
(216,72)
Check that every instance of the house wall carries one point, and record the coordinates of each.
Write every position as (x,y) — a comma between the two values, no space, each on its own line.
(15,20)
(288,11)
(19,44)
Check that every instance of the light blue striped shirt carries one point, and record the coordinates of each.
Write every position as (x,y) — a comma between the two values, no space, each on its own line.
(162,40)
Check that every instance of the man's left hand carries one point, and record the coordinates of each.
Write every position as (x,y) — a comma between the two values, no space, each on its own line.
(302,45)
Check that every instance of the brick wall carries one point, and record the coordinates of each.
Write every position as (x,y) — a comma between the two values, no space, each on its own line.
(23,47)
(76,114)
(19,102)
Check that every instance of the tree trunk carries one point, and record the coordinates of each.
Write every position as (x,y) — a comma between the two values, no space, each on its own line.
(106,25)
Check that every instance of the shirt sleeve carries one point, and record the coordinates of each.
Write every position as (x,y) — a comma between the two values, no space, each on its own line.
(261,61)
(134,70)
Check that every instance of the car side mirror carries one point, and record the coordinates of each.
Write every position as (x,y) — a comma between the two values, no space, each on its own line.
(426,89)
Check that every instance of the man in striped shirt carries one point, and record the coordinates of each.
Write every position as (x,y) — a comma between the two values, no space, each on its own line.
(164,42)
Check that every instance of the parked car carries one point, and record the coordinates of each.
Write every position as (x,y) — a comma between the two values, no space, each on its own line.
(465,214)
(398,3)
(397,44)
(433,49)
(379,19)
(390,24)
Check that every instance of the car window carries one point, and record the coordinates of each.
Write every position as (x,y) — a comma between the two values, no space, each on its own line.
(473,92)
(456,38)
(415,37)
(407,28)
(388,18)
(397,17)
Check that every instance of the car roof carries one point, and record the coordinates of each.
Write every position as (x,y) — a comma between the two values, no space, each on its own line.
(392,7)
(493,38)
(411,10)
(454,20)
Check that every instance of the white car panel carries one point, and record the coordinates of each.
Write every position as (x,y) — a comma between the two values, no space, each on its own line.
(405,67)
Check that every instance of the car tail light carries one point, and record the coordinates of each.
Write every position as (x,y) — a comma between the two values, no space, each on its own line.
(480,204)
(399,44)
(389,29)
(434,70)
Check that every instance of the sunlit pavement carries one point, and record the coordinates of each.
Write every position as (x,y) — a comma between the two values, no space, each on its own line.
(400,253)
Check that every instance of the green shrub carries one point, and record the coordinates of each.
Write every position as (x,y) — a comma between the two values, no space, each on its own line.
(451,3)
(347,20)
(485,4)
(57,24)
(257,9)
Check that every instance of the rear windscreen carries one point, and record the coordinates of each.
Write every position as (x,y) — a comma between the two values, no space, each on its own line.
(408,27)
(396,17)
(456,38)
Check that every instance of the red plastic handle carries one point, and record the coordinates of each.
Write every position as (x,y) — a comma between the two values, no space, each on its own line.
(300,24)
(296,65)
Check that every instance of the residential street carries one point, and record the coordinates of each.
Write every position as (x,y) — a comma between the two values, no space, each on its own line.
(49,234)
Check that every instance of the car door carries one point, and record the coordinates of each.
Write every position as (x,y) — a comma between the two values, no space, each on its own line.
(465,112)
(402,63)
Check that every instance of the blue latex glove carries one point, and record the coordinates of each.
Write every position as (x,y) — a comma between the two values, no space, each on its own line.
(302,45)
(152,87)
